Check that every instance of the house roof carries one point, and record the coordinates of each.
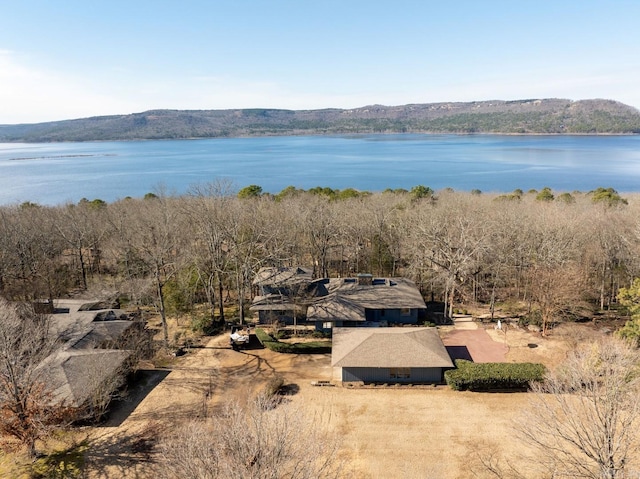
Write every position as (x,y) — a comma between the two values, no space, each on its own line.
(100,334)
(388,348)
(74,375)
(80,367)
(283,276)
(276,302)
(72,319)
(347,299)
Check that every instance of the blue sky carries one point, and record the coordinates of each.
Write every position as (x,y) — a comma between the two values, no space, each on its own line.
(72,59)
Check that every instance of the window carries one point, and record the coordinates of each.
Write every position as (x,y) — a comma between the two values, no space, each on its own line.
(405,312)
(399,373)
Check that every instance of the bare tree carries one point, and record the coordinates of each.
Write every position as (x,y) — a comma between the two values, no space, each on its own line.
(553,271)
(584,418)
(608,251)
(207,209)
(249,234)
(27,412)
(31,254)
(450,241)
(259,439)
(321,227)
(81,228)
(150,238)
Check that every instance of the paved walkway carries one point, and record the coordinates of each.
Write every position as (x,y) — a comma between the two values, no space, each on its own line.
(466,341)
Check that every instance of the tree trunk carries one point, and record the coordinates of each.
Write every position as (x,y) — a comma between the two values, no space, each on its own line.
(604,274)
(493,301)
(240,288)
(220,298)
(451,297)
(163,315)
(83,268)
(446,300)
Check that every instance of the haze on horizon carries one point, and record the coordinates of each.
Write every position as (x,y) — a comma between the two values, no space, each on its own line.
(73,59)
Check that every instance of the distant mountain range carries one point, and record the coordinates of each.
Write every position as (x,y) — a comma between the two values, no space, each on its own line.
(546,116)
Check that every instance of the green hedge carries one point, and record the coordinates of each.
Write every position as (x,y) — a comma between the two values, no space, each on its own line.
(314,347)
(263,336)
(469,376)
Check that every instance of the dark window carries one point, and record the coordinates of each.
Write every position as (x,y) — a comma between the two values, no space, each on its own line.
(399,373)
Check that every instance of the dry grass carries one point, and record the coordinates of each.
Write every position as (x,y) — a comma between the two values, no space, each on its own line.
(394,432)
(414,433)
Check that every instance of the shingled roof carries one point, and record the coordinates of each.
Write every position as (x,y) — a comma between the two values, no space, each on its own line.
(283,276)
(75,375)
(347,299)
(388,348)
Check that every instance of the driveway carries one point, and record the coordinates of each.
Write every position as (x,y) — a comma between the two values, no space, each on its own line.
(474,345)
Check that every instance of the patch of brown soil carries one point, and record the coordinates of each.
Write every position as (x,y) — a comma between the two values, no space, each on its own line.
(386,432)
(198,384)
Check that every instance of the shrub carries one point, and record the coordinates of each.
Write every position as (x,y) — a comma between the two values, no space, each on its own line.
(273,386)
(533,318)
(321,334)
(469,376)
(204,325)
(282,334)
(313,347)
(263,336)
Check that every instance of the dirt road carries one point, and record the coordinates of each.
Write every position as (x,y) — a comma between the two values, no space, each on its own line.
(392,432)
(199,384)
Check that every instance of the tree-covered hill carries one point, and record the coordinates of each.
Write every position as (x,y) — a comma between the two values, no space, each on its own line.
(547,116)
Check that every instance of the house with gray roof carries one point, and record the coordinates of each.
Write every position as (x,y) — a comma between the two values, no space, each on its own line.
(95,354)
(85,379)
(367,301)
(284,293)
(389,355)
(289,295)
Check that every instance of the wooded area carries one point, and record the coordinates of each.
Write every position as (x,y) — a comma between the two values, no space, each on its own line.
(562,256)
(541,116)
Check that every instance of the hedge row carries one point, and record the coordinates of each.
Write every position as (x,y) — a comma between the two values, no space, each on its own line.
(314,347)
(263,336)
(469,376)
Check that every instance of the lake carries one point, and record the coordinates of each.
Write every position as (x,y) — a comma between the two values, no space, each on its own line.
(53,173)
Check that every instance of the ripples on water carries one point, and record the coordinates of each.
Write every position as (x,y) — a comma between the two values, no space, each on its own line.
(52,173)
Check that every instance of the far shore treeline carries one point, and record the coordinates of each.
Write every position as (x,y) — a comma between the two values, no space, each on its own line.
(563,255)
(530,116)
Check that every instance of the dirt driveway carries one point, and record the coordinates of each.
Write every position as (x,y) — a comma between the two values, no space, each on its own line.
(199,384)
(410,420)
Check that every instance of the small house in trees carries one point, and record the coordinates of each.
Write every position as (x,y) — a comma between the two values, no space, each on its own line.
(389,355)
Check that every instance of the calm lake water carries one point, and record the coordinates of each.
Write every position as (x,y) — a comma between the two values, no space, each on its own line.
(53,173)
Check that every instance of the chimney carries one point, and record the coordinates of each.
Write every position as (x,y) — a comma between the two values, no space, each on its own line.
(365,279)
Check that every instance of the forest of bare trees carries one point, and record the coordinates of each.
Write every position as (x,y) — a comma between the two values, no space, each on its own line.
(561,255)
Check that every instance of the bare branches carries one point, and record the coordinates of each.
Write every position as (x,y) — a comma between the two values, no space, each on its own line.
(26,410)
(584,418)
(257,439)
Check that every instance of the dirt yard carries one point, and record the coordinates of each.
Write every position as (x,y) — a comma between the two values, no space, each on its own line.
(405,431)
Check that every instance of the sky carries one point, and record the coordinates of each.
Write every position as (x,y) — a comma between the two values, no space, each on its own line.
(77,58)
